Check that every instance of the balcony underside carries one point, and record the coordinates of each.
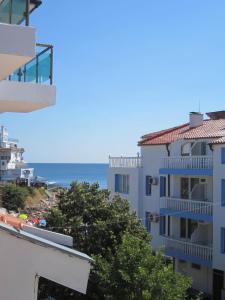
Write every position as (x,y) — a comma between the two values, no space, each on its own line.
(183,256)
(25,97)
(185,214)
(203,172)
(17,47)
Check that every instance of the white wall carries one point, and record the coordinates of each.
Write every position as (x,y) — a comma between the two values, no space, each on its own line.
(25,97)
(201,279)
(134,177)
(22,261)
(152,161)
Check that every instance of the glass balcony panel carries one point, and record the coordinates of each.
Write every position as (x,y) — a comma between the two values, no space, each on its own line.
(12,11)
(18,11)
(38,70)
(5,11)
(44,67)
(30,71)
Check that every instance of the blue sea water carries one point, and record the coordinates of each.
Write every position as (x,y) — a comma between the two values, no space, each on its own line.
(63,174)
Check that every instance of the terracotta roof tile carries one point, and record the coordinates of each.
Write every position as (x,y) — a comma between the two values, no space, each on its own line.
(210,129)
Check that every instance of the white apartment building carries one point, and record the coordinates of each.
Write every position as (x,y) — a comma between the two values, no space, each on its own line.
(26,84)
(177,187)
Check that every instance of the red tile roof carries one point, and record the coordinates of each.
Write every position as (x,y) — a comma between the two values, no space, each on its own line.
(211,129)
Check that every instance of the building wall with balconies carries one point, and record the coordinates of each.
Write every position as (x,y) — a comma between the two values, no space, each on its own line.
(218,208)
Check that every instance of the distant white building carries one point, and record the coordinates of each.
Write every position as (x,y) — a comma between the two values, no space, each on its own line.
(12,165)
(26,84)
(177,187)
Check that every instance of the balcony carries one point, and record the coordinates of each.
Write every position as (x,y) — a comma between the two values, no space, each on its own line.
(17,45)
(186,208)
(193,252)
(187,165)
(125,162)
(39,69)
(30,87)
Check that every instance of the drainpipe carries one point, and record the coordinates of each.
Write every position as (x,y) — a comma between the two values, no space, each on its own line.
(168,153)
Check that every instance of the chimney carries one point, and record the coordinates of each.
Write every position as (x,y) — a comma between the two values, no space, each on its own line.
(196,119)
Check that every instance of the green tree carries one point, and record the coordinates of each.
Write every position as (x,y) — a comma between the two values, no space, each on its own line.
(13,197)
(135,273)
(125,266)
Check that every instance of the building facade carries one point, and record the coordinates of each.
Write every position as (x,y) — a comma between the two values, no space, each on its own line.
(26,84)
(177,188)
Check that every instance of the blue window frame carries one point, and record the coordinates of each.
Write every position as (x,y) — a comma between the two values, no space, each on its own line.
(148,185)
(162,225)
(148,221)
(222,240)
(162,186)
(223,156)
(122,183)
(223,192)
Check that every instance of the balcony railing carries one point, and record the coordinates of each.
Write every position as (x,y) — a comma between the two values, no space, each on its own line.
(187,205)
(125,162)
(17,11)
(188,248)
(188,162)
(39,69)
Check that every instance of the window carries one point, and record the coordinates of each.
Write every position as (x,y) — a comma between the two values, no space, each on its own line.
(148,221)
(196,266)
(148,185)
(162,225)
(186,149)
(122,184)
(183,228)
(168,225)
(187,227)
(223,156)
(162,186)
(223,240)
(223,192)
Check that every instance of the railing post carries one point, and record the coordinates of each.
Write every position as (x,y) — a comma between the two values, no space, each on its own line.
(27,13)
(10,11)
(37,71)
(51,65)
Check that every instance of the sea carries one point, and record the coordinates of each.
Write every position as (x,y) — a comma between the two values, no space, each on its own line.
(64,173)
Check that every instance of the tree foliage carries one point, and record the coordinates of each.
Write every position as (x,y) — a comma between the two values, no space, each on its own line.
(125,266)
(13,197)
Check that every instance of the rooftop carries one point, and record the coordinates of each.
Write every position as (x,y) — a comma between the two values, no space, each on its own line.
(16,227)
(213,128)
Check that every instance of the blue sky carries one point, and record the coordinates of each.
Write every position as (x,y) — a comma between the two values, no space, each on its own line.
(122,68)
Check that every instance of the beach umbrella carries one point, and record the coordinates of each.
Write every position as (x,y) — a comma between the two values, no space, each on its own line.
(23,216)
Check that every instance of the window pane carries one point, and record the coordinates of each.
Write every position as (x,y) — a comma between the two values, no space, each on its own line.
(223,192)
(183,228)
(223,156)
(192,225)
(184,189)
(148,185)
(148,221)
(162,225)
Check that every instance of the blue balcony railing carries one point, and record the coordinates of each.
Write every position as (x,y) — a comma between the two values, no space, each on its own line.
(39,69)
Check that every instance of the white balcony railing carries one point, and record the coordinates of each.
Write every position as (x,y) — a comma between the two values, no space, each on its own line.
(188,248)
(125,162)
(187,205)
(188,162)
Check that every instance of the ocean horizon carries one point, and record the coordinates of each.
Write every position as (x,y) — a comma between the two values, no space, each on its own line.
(65,173)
